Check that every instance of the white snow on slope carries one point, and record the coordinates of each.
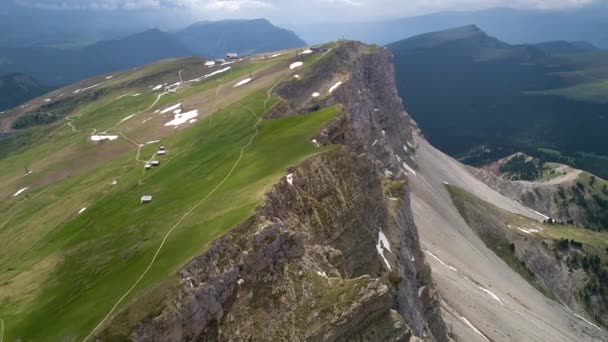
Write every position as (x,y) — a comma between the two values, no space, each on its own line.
(157,87)
(491,294)
(168,109)
(87,88)
(409,169)
(134,95)
(82,210)
(107,78)
(217,72)
(20,191)
(335,86)
(152,142)
(275,55)
(98,137)
(295,65)
(466,321)
(381,246)
(306,52)
(209,63)
(47,100)
(243,82)
(315,94)
(440,261)
(182,118)
(290,179)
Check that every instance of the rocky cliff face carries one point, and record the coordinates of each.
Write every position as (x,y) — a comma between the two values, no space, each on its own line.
(334,254)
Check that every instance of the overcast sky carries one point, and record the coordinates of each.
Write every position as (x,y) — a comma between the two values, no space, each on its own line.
(298,10)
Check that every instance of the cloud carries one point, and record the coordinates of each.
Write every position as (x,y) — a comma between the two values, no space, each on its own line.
(306,8)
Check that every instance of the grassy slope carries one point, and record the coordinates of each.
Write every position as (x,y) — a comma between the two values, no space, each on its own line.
(63,272)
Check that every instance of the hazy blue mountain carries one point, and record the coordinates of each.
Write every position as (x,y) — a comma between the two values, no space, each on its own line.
(216,38)
(59,66)
(472,93)
(78,28)
(560,47)
(17,89)
(510,25)
(56,66)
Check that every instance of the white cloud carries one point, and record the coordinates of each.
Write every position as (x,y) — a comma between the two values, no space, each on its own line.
(336,9)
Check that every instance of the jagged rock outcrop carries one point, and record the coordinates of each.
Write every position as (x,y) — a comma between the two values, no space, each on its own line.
(333,254)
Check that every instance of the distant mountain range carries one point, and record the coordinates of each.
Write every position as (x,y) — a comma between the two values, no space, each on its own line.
(215,38)
(479,99)
(516,26)
(210,39)
(17,89)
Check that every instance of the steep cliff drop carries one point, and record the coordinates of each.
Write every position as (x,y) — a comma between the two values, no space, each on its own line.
(334,254)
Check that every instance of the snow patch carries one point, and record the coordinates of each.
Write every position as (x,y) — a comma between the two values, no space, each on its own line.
(114,182)
(306,52)
(374,143)
(109,77)
(98,137)
(241,281)
(87,88)
(316,143)
(275,55)
(529,231)
(315,94)
(20,191)
(82,210)
(323,274)
(491,294)
(209,63)
(466,321)
(243,82)
(47,100)
(192,121)
(335,86)
(441,261)
(217,72)
(295,65)
(134,95)
(408,168)
(297,77)
(420,290)
(381,246)
(183,118)
(158,87)
(152,142)
(168,109)
(290,179)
